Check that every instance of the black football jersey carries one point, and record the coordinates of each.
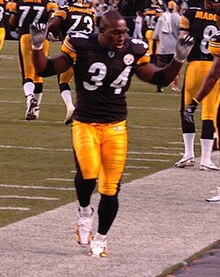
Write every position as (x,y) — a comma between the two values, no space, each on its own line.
(2,13)
(75,18)
(151,16)
(201,24)
(102,76)
(30,11)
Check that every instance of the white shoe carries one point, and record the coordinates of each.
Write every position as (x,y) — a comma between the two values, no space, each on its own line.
(69,116)
(209,167)
(36,111)
(83,229)
(98,248)
(214,199)
(31,104)
(189,162)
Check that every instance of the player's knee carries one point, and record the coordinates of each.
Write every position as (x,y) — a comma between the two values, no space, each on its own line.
(110,189)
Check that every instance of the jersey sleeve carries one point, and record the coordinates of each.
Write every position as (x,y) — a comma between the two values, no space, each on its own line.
(52,6)
(11,7)
(68,48)
(140,48)
(214,44)
(60,12)
(185,22)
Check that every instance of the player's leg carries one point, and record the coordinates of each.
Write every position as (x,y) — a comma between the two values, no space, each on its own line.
(114,151)
(195,72)
(38,81)
(28,72)
(87,155)
(210,105)
(2,37)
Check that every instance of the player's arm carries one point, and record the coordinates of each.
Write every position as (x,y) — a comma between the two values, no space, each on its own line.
(11,8)
(210,80)
(54,24)
(46,66)
(164,76)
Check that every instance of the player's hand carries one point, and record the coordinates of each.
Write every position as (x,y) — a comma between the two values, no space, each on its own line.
(183,47)
(188,113)
(38,33)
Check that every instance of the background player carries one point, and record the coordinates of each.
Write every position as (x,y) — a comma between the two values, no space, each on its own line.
(201,24)
(74,16)
(2,23)
(24,13)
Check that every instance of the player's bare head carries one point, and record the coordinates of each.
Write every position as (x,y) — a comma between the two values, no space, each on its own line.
(113,30)
(111,18)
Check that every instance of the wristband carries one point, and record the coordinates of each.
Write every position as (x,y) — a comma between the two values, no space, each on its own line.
(197,102)
(178,59)
(37,47)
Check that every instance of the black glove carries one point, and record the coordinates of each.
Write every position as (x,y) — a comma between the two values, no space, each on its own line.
(189,111)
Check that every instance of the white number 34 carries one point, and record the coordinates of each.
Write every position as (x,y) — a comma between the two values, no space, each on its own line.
(99,71)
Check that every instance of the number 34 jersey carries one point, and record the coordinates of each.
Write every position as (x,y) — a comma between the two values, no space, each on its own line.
(102,76)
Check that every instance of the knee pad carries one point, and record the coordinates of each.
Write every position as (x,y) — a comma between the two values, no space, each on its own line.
(208,129)
(38,88)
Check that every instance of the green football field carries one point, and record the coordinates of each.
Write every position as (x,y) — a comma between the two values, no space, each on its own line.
(36,160)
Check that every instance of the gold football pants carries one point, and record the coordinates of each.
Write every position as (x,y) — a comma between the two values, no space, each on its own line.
(66,77)
(196,72)
(101,151)
(25,58)
(2,37)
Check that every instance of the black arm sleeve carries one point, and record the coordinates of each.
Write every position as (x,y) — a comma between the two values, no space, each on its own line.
(49,70)
(159,79)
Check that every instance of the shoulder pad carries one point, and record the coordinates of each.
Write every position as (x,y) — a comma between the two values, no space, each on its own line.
(139,46)
(214,44)
(78,38)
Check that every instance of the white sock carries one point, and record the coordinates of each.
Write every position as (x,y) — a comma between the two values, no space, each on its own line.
(206,150)
(99,237)
(188,139)
(85,211)
(67,99)
(38,97)
(28,88)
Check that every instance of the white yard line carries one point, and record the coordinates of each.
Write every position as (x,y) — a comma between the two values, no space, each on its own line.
(14,208)
(28,197)
(35,187)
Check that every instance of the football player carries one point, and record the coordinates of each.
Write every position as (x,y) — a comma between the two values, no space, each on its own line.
(210,80)
(103,67)
(74,16)
(23,13)
(2,23)
(151,16)
(201,24)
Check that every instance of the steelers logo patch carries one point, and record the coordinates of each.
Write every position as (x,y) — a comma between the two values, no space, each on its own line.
(128,59)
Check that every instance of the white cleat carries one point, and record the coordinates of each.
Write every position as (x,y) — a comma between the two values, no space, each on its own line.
(209,167)
(31,104)
(36,111)
(214,199)
(189,162)
(83,229)
(98,248)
